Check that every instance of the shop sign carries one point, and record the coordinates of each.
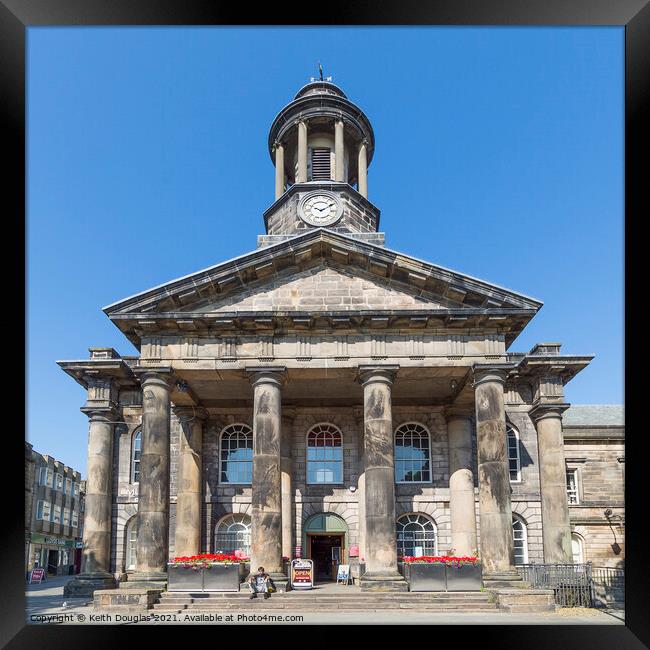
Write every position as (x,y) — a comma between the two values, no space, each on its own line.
(53,541)
(302,574)
(36,576)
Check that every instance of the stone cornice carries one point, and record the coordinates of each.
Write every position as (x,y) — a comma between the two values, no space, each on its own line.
(546,409)
(84,371)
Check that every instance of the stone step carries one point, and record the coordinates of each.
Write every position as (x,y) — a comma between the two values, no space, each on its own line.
(295,595)
(312,607)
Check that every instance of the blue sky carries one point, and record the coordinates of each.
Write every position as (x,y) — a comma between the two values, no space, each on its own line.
(499,153)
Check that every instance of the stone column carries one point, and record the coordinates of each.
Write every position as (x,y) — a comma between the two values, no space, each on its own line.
(497,547)
(552,474)
(187,537)
(361,483)
(461,483)
(266,512)
(339,152)
(279,170)
(362,181)
(153,499)
(286,468)
(381,543)
(302,152)
(96,557)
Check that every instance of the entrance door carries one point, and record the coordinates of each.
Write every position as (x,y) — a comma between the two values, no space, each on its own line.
(326,551)
(53,562)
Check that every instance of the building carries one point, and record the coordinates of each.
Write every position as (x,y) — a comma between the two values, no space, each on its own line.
(594,449)
(53,514)
(324,396)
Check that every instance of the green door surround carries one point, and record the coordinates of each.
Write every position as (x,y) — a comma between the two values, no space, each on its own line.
(326,523)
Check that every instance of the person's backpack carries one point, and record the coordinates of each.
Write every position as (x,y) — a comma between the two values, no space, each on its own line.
(271,586)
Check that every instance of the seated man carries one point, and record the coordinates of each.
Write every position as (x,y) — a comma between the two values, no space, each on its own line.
(259,583)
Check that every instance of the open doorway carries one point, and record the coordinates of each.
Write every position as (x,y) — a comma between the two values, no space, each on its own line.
(326,551)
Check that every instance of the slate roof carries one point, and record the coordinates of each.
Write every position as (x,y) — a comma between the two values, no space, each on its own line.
(594,415)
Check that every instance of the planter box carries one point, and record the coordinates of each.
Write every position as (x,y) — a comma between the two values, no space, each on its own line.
(466,577)
(221,577)
(427,577)
(184,579)
(436,576)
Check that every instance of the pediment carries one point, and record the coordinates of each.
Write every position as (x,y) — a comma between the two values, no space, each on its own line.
(323,288)
(321,271)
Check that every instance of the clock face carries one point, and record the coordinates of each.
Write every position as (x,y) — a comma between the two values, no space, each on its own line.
(320,209)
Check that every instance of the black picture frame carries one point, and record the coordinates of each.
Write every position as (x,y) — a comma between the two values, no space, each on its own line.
(16,16)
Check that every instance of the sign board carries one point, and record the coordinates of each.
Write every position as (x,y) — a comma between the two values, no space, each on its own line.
(343,574)
(336,553)
(418,551)
(36,575)
(302,574)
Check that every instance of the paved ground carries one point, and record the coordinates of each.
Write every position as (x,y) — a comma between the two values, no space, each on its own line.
(45,605)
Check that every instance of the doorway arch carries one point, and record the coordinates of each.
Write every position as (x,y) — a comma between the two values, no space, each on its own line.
(323,532)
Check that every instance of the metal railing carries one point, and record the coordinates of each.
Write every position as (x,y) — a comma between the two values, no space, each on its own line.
(608,586)
(572,584)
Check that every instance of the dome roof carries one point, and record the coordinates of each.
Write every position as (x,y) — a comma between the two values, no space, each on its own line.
(320,87)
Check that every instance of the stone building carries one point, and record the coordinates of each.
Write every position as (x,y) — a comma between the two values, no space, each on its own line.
(54,495)
(324,396)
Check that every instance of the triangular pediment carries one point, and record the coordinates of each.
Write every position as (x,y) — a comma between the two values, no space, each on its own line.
(317,272)
(323,288)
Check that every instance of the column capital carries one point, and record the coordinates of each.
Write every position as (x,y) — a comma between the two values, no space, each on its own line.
(492,372)
(277,145)
(188,413)
(161,376)
(454,412)
(377,374)
(106,415)
(276,375)
(543,410)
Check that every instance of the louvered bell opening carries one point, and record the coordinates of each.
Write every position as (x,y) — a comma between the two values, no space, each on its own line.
(320,165)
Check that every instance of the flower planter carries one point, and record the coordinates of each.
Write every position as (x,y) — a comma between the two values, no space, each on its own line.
(180,578)
(427,576)
(464,577)
(221,577)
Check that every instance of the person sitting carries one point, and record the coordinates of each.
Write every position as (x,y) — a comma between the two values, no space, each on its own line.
(259,583)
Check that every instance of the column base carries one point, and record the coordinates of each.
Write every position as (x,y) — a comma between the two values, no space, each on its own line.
(281,581)
(146,580)
(504,579)
(84,585)
(387,581)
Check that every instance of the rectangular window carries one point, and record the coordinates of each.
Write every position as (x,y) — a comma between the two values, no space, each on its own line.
(45,476)
(58,482)
(68,486)
(76,489)
(66,516)
(572,486)
(43,510)
(75,519)
(56,514)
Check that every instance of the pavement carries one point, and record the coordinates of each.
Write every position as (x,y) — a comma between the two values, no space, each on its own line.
(45,604)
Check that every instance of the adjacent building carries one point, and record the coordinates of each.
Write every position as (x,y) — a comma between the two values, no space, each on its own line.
(54,513)
(325,396)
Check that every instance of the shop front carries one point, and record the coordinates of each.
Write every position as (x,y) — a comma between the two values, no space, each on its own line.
(54,554)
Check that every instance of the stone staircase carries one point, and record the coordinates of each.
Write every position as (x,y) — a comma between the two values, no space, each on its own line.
(312,601)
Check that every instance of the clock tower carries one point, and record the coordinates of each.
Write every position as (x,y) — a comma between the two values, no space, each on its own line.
(321,145)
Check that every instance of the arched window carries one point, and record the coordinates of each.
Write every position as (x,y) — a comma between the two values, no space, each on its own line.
(412,454)
(236,454)
(577,548)
(136,448)
(520,538)
(513,454)
(324,454)
(416,535)
(233,533)
(131,537)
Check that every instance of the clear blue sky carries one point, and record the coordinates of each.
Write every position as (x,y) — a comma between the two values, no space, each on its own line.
(499,154)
